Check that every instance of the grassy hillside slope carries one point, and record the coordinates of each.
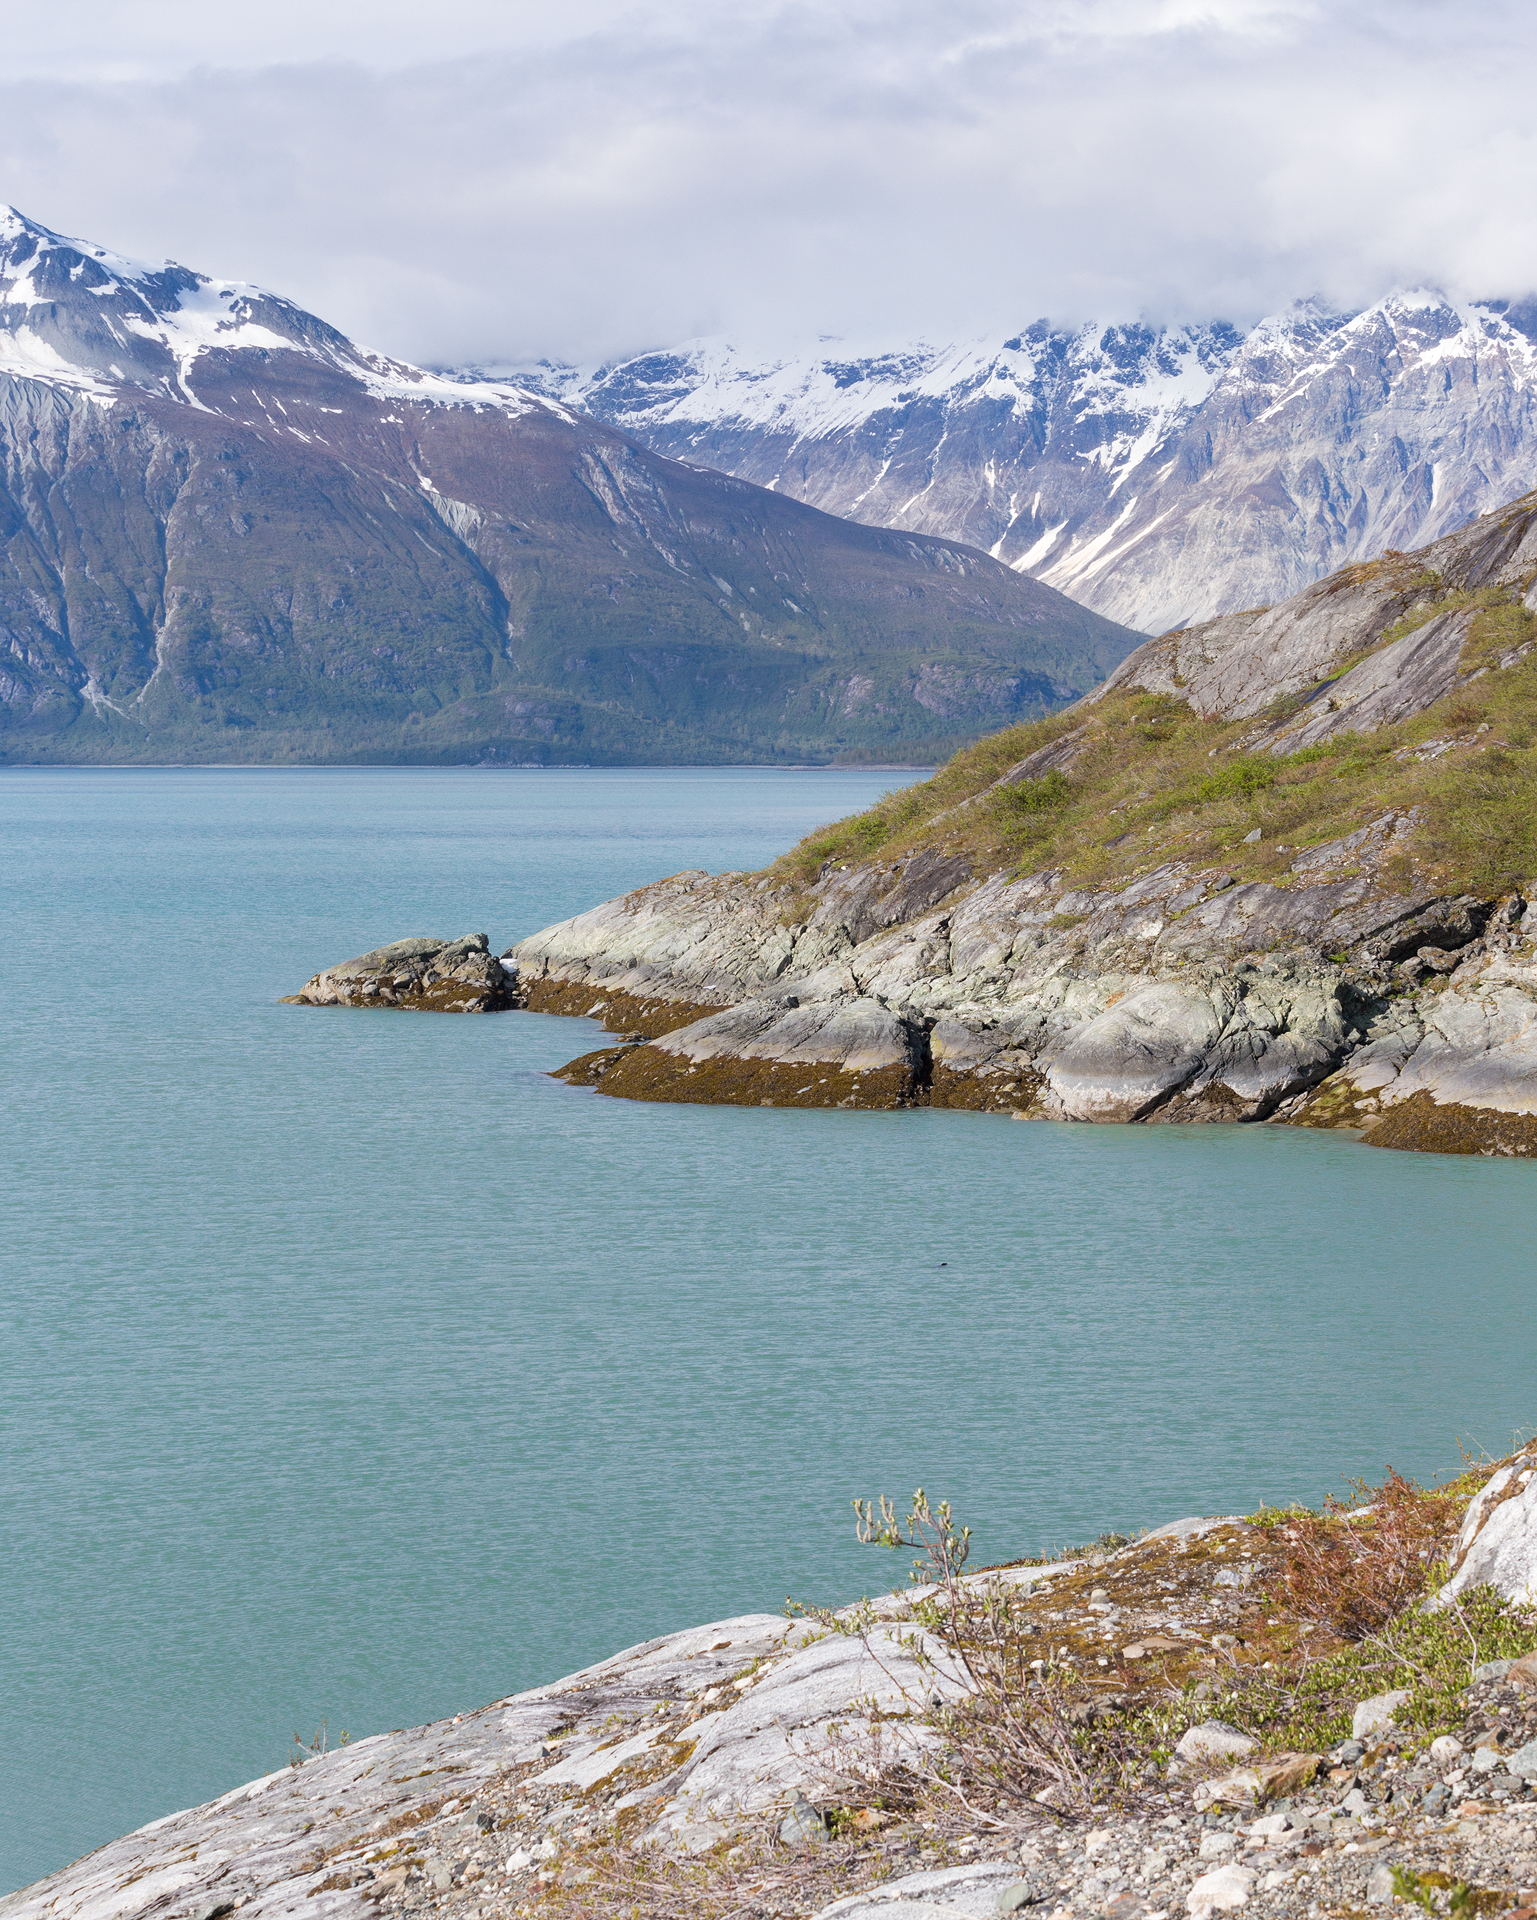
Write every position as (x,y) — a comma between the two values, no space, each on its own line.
(1126,780)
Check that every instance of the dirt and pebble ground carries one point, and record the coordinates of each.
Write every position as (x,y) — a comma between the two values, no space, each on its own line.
(515,1849)
(1183,1615)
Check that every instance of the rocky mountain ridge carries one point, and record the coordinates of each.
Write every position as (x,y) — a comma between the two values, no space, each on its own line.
(229,533)
(1099,918)
(1159,475)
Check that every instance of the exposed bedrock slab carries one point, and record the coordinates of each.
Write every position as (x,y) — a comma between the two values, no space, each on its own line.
(716,1723)
(1497,1545)
(837,1052)
(1403,678)
(1180,996)
(1123,1063)
(1240,664)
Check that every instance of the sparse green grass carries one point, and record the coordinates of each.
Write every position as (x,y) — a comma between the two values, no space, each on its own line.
(1305,1706)
(1490,598)
(1154,782)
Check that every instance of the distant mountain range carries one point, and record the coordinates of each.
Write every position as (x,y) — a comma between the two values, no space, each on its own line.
(231,534)
(1160,476)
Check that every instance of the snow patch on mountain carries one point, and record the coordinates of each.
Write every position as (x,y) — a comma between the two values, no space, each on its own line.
(151,325)
(1257,461)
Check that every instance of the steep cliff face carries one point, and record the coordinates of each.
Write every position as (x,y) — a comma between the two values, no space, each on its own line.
(1158,476)
(1278,867)
(230,533)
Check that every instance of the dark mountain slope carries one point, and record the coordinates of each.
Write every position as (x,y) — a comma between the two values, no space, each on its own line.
(230,534)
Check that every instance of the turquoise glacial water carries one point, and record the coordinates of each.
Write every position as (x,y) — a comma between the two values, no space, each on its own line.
(352,1368)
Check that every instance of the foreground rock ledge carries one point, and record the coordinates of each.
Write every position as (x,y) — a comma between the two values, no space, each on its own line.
(1337,1000)
(697,1737)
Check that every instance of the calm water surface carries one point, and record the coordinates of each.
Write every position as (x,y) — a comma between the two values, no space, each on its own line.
(353,1368)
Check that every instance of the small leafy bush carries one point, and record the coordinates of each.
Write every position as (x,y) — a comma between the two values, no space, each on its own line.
(1043,795)
(1239,780)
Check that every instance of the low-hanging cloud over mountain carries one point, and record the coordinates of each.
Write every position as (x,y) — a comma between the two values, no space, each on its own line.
(494,182)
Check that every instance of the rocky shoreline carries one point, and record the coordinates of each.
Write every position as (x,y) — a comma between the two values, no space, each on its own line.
(1333,964)
(1182,997)
(740,1764)
(1341,1000)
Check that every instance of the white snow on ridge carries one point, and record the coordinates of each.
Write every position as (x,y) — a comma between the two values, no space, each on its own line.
(388,379)
(1151,382)
(24,355)
(190,316)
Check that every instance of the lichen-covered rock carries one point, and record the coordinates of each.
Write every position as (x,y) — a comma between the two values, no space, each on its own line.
(438,976)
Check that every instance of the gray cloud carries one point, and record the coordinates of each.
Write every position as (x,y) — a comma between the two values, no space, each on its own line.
(505,182)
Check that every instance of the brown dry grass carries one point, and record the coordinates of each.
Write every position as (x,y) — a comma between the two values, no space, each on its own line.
(1354,1568)
(753,1877)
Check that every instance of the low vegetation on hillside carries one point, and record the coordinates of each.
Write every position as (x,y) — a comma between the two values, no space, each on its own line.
(1150,781)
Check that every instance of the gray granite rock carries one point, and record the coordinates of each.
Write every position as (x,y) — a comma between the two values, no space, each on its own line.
(420,974)
(802,1826)
(1213,1740)
(1376,1714)
(943,1893)
(1497,1544)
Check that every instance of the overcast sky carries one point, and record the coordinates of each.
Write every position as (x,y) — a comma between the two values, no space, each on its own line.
(492,180)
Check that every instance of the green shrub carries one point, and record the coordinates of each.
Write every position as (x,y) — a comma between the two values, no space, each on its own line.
(1044,795)
(1239,780)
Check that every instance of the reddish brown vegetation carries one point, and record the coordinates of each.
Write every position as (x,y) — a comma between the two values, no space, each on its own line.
(1351,1569)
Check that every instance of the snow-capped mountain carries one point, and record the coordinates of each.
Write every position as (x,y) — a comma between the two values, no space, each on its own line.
(1160,476)
(81,318)
(229,532)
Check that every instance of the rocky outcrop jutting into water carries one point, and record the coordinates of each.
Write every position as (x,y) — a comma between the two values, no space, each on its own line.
(1356,977)
(434,976)
(1356,984)
(1180,997)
